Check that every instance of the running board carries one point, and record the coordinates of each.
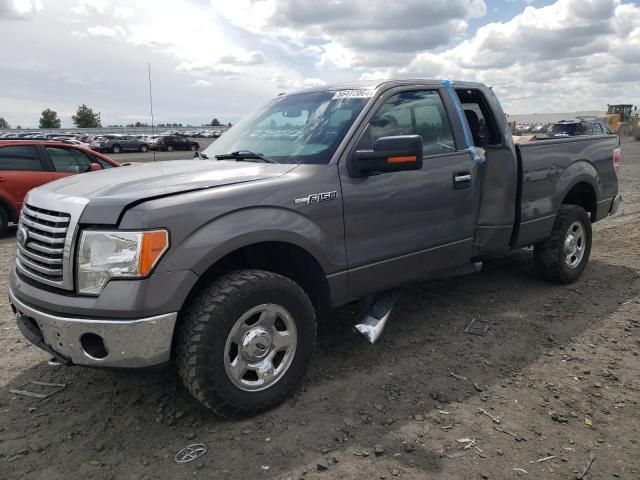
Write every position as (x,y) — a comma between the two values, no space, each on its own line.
(373,324)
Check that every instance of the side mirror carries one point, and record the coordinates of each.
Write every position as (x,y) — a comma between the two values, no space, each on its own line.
(95,167)
(389,154)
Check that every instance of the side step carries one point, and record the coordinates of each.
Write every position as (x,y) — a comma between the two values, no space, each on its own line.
(374,322)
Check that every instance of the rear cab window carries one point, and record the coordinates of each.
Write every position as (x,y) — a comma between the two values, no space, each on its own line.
(20,158)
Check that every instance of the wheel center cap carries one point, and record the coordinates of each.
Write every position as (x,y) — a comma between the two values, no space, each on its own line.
(256,343)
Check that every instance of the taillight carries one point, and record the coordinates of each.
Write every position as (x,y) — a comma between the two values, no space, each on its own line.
(617,160)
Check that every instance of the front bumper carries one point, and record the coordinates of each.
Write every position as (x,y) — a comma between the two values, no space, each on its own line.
(132,343)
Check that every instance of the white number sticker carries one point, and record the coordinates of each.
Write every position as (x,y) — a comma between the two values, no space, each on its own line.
(360,93)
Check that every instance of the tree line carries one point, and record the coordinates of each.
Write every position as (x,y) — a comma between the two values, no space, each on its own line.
(85,117)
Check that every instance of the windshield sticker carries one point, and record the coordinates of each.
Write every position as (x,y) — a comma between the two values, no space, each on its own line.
(359,93)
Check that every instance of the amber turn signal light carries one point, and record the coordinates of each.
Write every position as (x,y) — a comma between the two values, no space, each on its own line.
(406,159)
(154,244)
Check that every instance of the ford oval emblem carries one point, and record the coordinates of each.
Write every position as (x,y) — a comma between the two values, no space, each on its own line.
(22,236)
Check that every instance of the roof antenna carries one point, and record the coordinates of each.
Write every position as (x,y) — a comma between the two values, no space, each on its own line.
(153,128)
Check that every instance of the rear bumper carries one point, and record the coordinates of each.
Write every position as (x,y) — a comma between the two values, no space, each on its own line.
(133,343)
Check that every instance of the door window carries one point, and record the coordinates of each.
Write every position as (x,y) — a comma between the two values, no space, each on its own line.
(479,117)
(418,112)
(68,160)
(20,157)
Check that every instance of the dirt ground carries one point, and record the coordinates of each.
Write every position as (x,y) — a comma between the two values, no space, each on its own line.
(552,387)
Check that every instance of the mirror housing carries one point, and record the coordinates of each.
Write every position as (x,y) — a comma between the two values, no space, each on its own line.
(94,167)
(389,154)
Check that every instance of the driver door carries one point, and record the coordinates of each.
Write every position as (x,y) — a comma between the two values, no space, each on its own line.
(400,226)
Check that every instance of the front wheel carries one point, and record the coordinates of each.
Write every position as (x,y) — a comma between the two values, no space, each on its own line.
(170,148)
(564,255)
(143,148)
(194,148)
(244,342)
(116,149)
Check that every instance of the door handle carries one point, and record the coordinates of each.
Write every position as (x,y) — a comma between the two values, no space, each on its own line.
(461,180)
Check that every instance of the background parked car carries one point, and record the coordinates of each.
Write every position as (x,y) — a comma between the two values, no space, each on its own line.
(171,143)
(26,164)
(120,143)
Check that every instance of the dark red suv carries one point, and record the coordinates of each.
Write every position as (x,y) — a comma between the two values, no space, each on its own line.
(26,164)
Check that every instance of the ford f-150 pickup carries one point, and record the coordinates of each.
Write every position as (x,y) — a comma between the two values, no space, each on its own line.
(224,263)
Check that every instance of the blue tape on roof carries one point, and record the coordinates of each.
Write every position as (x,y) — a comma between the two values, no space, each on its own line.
(468,139)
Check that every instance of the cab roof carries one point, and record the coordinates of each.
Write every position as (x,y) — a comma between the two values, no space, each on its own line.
(385,84)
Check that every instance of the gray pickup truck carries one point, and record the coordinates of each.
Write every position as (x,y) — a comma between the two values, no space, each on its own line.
(224,263)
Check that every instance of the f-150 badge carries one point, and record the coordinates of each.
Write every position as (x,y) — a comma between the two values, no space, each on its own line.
(317,198)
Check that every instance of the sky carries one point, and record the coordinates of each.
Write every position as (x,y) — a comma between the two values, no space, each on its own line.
(222,58)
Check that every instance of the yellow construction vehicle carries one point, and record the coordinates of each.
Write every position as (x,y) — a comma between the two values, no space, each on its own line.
(623,120)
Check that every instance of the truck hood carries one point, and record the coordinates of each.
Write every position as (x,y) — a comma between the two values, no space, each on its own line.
(110,191)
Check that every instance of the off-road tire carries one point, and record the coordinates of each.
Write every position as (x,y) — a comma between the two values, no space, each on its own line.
(205,323)
(549,255)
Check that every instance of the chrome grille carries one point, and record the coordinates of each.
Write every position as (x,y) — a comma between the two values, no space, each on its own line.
(41,239)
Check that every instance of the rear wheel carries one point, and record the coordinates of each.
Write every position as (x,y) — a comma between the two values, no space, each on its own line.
(245,341)
(170,148)
(143,148)
(194,148)
(116,149)
(564,255)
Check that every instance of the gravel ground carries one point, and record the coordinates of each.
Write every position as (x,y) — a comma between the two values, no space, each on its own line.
(554,384)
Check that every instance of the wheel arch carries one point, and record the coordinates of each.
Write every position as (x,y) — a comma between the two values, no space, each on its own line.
(285,258)
(583,194)
(579,184)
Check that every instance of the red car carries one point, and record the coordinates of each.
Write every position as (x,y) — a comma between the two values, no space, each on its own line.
(27,164)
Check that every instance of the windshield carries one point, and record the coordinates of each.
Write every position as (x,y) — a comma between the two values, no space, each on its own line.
(303,128)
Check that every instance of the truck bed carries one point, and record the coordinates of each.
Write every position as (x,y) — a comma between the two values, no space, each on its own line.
(550,168)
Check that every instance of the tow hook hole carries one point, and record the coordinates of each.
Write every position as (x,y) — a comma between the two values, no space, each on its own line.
(93,346)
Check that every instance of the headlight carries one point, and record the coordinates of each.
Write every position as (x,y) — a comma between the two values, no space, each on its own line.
(112,254)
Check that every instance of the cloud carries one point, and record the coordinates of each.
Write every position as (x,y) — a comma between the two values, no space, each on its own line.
(206,69)
(201,83)
(289,83)
(570,54)
(356,33)
(244,58)
(19,9)
(88,7)
(101,31)
(551,58)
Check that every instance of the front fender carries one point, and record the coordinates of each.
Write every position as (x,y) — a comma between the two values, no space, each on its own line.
(248,226)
